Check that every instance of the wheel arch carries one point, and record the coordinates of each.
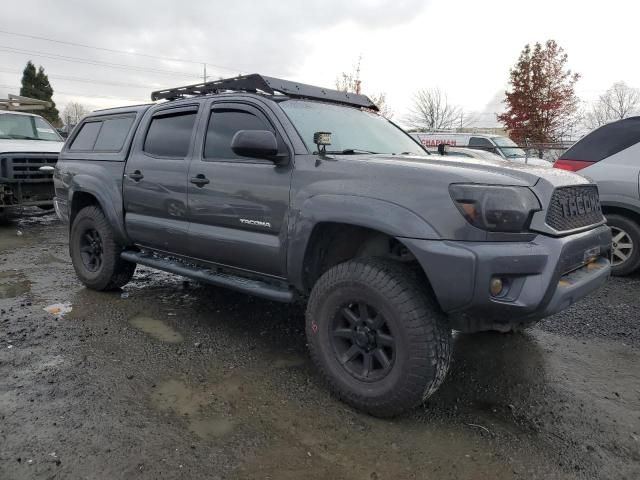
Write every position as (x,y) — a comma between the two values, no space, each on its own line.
(330,229)
(89,191)
(618,209)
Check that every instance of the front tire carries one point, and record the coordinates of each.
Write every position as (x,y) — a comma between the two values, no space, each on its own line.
(95,253)
(377,337)
(626,244)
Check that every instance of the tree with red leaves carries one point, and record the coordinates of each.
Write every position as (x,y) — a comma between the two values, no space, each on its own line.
(542,105)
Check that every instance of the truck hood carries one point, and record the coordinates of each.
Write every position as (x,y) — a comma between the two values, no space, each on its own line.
(530,161)
(487,171)
(32,146)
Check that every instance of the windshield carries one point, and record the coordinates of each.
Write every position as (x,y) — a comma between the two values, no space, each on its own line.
(508,147)
(352,130)
(26,127)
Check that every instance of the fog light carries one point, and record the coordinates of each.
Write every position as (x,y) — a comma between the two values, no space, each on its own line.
(496,286)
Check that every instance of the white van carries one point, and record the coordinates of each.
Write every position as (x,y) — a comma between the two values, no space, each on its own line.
(502,146)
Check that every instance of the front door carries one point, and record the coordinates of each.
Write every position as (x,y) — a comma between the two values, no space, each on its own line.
(155,181)
(237,205)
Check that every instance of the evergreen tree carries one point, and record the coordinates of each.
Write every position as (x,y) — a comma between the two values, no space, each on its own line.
(35,84)
(29,88)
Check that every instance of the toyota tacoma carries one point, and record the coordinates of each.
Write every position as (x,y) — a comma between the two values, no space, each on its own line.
(292,192)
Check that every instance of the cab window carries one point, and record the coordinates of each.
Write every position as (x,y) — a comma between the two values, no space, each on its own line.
(169,134)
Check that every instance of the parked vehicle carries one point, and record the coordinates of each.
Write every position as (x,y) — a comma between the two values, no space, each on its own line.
(496,144)
(444,150)
(610,156)
(301,192)
(29,148)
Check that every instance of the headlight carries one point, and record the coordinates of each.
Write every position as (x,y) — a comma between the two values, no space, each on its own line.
(495,208)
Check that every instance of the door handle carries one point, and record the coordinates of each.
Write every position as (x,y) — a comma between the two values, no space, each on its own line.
(136,176)
(199,180)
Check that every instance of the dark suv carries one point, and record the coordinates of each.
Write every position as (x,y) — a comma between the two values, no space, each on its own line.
(293,192)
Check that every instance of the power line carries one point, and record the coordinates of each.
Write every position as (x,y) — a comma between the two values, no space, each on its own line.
(123,52)
(83,80)
(88,61)
(75,94)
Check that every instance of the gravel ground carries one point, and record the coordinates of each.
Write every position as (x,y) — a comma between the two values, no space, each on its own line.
(172,379)
(613,313)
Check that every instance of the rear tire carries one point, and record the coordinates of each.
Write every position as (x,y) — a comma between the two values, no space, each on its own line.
(95,254)
(4,217)
(387,356)
(626,244)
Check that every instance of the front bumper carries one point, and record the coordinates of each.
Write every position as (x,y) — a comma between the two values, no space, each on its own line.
(62,209)
(542,277)
(23,194)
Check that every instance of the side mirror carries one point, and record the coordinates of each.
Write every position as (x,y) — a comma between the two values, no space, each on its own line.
(255,144)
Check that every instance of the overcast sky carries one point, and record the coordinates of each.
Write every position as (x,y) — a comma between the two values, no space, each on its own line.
(464,47)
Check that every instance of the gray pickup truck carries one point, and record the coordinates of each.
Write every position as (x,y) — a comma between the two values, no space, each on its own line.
(288,191)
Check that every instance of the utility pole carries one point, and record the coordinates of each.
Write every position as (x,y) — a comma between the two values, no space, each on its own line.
(357,81)
(204,76)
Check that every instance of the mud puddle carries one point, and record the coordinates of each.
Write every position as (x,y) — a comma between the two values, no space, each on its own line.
(197,407)
(13,284)
(12,238)
(157,329)
(300,439)
(289,361)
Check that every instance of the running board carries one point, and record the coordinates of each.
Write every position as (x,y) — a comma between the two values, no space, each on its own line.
(257,288)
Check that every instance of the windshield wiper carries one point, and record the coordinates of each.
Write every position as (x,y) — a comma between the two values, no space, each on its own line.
(22,137)
(350,151)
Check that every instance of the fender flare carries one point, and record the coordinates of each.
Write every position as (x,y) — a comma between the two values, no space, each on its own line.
(620,203)
(109,198)
(380,215)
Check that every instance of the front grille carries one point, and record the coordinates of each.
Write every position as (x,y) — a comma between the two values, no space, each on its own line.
(25,168)
(574,207)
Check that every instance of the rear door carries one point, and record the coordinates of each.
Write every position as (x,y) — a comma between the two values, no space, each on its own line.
(155,180)
(237,205)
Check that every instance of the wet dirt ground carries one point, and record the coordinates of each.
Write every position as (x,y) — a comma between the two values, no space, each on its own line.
(172,379)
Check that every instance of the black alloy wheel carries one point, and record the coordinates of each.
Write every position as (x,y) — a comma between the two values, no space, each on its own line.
(377,336)
(363,342)
(91,250)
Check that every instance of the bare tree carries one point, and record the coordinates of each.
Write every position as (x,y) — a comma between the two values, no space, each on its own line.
(618,102)
(383,107)
(351,82)
(73,113)
(432,111)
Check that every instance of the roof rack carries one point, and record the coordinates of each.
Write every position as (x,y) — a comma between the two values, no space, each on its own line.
(22,104)
(259,83)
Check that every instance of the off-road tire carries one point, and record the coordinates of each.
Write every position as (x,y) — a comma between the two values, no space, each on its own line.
(633,231)
(113,272)
(420,329)
(4,217)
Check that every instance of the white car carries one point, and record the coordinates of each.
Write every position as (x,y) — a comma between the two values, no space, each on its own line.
(504,147)
(29,148)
